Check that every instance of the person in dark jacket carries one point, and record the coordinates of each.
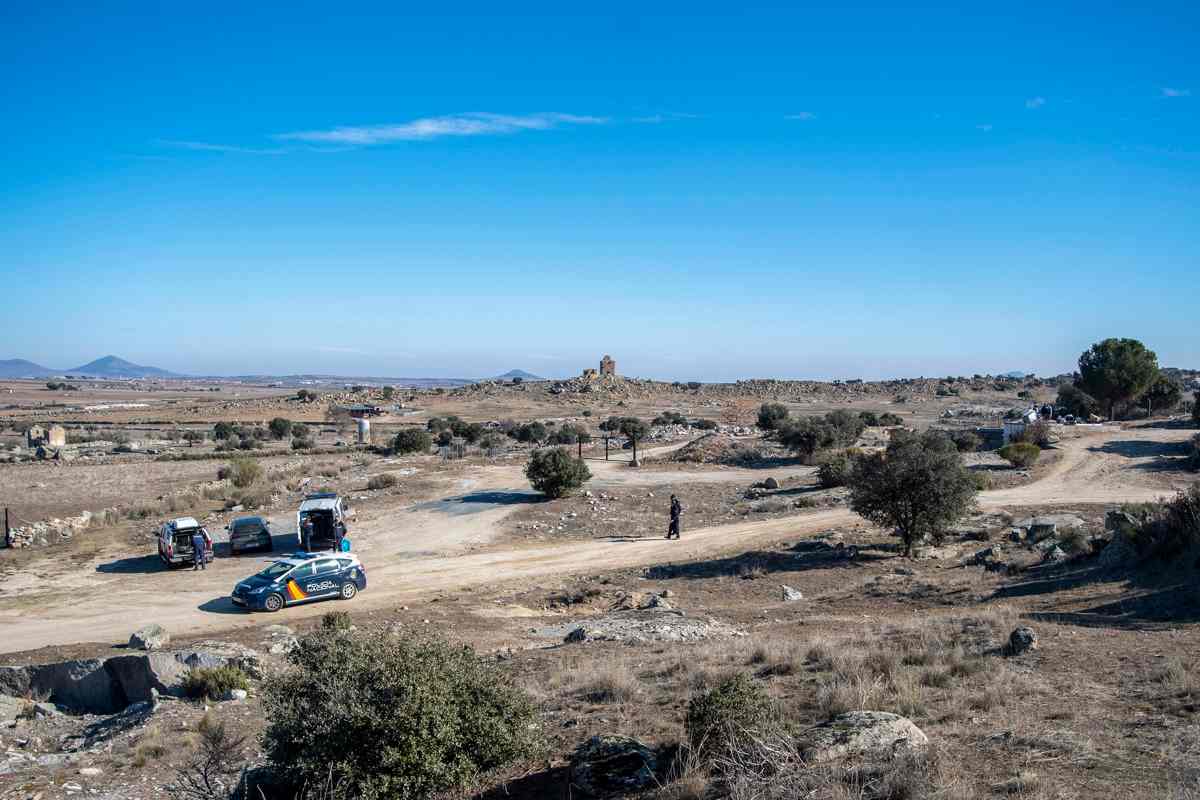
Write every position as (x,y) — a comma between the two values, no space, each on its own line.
(199,552)
(676,510)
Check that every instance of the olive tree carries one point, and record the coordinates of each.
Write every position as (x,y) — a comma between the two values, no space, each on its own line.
(635,430)
(1115,371)
(918,486)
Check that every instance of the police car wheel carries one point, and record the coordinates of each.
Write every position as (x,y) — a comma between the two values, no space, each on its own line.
(273,602)
(348,591)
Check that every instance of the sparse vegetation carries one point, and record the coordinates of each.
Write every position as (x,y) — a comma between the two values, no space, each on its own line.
(384,480)
(834,468)
(1170,528)
(1115,371)
(384,716)
(280,427)
(717,718)
(554,472)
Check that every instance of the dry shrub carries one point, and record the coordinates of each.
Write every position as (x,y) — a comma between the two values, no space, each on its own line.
(778,658)
(384,480)
(606,682)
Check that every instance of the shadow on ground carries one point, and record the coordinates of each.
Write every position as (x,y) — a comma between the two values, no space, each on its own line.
(134,565)
(801,557)
(221,605)
(479,501)
(1166,455)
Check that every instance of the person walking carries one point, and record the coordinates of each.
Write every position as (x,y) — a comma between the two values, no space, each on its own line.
(676,510)
(199,553)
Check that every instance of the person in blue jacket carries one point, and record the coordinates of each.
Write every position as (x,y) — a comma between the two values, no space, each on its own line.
(199,553)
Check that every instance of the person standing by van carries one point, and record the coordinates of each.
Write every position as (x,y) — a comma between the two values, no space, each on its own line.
(199,551)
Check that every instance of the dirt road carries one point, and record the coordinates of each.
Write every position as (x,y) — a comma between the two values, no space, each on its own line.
(434,547)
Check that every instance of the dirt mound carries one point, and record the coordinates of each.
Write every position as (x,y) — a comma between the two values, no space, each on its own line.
(720,448)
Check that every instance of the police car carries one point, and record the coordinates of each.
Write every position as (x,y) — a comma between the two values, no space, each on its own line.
(302,578)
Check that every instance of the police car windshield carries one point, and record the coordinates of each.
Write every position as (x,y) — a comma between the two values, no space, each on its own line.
(276,569)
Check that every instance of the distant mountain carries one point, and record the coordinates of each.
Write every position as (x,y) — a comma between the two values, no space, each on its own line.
(20,368)
(519,373)
(113,367)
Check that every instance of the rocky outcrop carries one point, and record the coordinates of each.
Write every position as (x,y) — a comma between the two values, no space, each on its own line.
(106,686)
(862,734)
(790,595)
(609,765)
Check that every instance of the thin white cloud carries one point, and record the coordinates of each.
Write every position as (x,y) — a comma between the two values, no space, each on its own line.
(984,128)
(1035,102)
(340,350)
(665,116)
(803,115)
(476,123)
(209,147)
(1167,91)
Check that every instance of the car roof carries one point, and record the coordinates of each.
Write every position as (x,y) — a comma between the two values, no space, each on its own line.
(319,503)
(259,520)
(184,522)
(296,559)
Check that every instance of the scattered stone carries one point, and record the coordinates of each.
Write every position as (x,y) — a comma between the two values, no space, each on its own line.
(149,637)
(790,595)
(870,734)
(234,694)
(575,636)
(609,765)
(771,483)
(1054,555)
(639,625)
(91,772)
(1022,640)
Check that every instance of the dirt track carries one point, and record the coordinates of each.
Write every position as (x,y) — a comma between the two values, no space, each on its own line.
(435,547)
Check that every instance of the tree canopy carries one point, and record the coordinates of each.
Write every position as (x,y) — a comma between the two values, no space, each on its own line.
(918,486)
(1116,371)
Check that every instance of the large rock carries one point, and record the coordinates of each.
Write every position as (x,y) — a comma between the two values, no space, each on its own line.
(865,734)
(149,637)
(610,764)
(790,595)
(10,707)
(140,676)
(1022,640)
(14,681)
(82,685)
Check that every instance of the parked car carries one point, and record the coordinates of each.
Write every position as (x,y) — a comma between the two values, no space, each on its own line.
(302,578)
(321,522)
(175,542)
(249,534)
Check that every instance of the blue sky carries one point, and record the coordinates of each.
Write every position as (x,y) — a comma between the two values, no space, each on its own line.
(704,191)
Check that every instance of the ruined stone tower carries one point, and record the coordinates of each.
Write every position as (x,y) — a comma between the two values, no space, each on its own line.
(608,366)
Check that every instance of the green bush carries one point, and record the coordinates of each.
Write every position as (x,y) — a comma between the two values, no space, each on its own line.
(670,418)
(336,621)
(554,472)
(243,472)
(705,425)
(1020,454)
(411,440)
(213,682)
(888,419)
(531,433)
(280,427)
(302,444)
(834,469)
(771,416)
(966,441)
(718,717)
(223,430)
(869,418)
(379,716)
(1036,433)
(384,480)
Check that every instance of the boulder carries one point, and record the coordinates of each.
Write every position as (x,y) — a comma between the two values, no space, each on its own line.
(986,555)
(771,483)
(1054,555)
(139,677)
(790,595)
(10,707)
(1022,640)
(82,684)
(149,637)
(609,765)
(234,694)
(864,734)
(575,636)
(14,681)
